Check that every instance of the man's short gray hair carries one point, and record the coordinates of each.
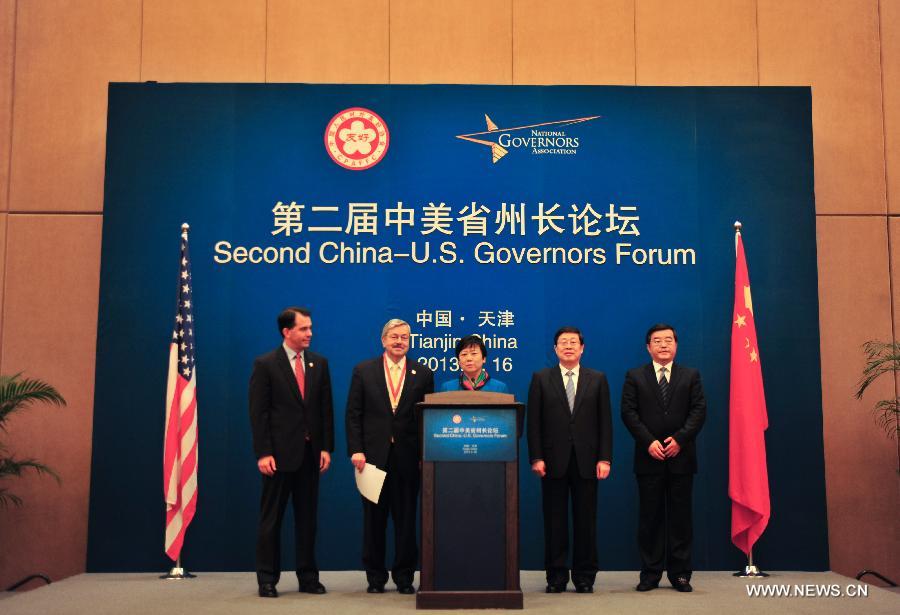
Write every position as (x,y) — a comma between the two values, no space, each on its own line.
(392,323)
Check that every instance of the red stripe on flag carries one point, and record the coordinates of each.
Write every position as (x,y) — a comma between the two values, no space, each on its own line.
(172,449)
(179,511)
(189,464)
(187,418)
(174,550)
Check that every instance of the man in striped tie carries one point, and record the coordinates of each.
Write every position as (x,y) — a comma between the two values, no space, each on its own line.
(664,408)
(291,417)
(570,448)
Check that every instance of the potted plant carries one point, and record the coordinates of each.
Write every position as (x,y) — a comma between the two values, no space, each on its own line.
(16,394)
(882,358)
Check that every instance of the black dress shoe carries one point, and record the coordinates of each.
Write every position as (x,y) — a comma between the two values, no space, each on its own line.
(682,584)
(312,588)
(556,588)
(645,586)
(584,588)
(406,589)
(375,589)
(267,590)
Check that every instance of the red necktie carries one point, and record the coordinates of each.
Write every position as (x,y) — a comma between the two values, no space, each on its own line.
(301,377)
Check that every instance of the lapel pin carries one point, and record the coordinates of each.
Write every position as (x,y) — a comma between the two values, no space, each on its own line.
(310,364)
(413,372)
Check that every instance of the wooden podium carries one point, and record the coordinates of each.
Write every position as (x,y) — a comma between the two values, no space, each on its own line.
(470,501)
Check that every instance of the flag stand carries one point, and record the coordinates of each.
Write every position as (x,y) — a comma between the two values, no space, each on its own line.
(750,570)
(177,572)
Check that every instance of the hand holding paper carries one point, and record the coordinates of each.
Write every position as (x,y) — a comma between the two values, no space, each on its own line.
(370,481)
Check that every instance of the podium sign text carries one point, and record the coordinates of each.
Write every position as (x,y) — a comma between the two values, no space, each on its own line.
(472,434)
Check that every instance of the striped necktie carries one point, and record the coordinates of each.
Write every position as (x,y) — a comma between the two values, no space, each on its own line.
(664,385)
(570,391)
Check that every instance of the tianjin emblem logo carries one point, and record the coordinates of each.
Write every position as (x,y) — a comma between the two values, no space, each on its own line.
(357,138)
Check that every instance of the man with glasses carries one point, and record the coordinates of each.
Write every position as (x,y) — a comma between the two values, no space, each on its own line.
(664,408)
(382,430)
(570,448)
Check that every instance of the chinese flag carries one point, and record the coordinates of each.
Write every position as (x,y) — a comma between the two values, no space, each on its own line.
(748,480)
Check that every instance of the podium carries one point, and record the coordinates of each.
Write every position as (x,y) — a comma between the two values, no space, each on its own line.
(470,501)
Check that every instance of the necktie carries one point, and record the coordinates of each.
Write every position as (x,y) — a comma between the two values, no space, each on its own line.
(301,376)
(664,385)
(570,391)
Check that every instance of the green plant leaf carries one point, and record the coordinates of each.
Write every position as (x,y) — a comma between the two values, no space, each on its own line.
(887,415)
(17,393)
(881,358)
(15,467)
(8,499)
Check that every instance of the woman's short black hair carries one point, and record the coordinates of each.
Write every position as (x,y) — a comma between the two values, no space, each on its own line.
(470,340)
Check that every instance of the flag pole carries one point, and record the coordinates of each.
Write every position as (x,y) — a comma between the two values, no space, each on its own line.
(177,572)
(750,570)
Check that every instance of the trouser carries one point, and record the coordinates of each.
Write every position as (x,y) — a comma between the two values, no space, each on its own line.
(398,499)
(665,527)
(302,487)
(555,494)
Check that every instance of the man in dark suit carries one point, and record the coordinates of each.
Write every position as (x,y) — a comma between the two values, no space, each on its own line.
(570,448)
(291,417)
(664,408)
(382,430)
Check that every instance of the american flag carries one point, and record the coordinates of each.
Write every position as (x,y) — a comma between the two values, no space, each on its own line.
(180,453)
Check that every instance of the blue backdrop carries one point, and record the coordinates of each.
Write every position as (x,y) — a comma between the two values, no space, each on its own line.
(683,163)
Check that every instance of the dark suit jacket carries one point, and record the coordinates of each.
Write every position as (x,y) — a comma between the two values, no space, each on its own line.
(553,430)
(370,422)
(648,419)
(280,417)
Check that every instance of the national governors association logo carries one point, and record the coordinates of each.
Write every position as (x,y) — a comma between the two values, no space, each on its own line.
(357,138)
(542,139)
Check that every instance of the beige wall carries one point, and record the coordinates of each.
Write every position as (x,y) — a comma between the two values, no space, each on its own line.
(57,56)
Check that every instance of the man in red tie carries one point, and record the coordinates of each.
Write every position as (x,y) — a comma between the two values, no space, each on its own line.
(291,417)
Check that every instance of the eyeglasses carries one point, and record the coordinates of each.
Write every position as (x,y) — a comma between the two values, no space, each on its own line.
(659,341)
(396,338)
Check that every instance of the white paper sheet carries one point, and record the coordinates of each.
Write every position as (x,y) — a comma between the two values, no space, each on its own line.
(370,481)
